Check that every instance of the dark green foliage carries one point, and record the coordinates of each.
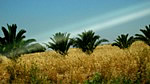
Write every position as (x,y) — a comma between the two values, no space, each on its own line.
(97,79)
(123,41)
(60,43)
(146,36)
(12,41)
(35,48)
(87,41)
(121,80)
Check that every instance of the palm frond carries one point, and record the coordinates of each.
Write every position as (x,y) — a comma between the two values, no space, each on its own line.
(87,41)
(146,35)
(123,42)
(60,42)
(6,34)
(11,42)
(20,36)
(12,32)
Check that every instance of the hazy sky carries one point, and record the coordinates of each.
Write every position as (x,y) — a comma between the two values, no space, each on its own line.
(43,18)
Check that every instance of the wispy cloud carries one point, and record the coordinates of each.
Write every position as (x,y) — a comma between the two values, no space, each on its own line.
(109,20)
(117,21)
(113,21)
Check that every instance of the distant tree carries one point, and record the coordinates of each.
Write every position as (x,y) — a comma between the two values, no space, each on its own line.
(146,35)
(87,41)
(12,40)
(123,41)
(36,47)
(60,43)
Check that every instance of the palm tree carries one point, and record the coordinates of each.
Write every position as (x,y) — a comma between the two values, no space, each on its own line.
(12,40)
(146,36)
(60,43)
(1,44)
(123,41)
(87,41)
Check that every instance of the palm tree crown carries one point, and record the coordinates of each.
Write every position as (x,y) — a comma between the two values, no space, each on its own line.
(123,41)
(12,40)
(146,36)
(60,43)
(88,41)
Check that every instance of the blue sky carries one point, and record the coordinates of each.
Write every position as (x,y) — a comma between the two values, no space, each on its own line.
(43,18)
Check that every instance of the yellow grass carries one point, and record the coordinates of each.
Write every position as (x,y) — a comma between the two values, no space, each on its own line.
(108,60)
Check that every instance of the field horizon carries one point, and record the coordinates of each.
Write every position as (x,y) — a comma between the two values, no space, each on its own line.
(109,61)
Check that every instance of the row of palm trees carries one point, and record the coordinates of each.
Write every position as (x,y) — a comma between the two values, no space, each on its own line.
(123,41)
(13,44)
(87,42)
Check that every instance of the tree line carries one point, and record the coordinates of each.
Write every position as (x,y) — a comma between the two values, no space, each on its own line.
(13,43)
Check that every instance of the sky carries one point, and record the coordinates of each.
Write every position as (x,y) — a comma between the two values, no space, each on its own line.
(43,18)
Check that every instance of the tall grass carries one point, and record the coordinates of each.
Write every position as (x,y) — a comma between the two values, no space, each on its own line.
(111,62)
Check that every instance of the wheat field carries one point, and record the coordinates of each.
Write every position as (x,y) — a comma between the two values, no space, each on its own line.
(76,67)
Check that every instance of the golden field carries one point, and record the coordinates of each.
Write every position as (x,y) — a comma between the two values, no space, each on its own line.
(76,67)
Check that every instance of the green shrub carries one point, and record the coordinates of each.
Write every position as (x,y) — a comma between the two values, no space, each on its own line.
(96,79)
(36,47)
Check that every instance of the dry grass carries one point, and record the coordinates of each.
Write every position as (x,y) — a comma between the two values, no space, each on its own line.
(77,66)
